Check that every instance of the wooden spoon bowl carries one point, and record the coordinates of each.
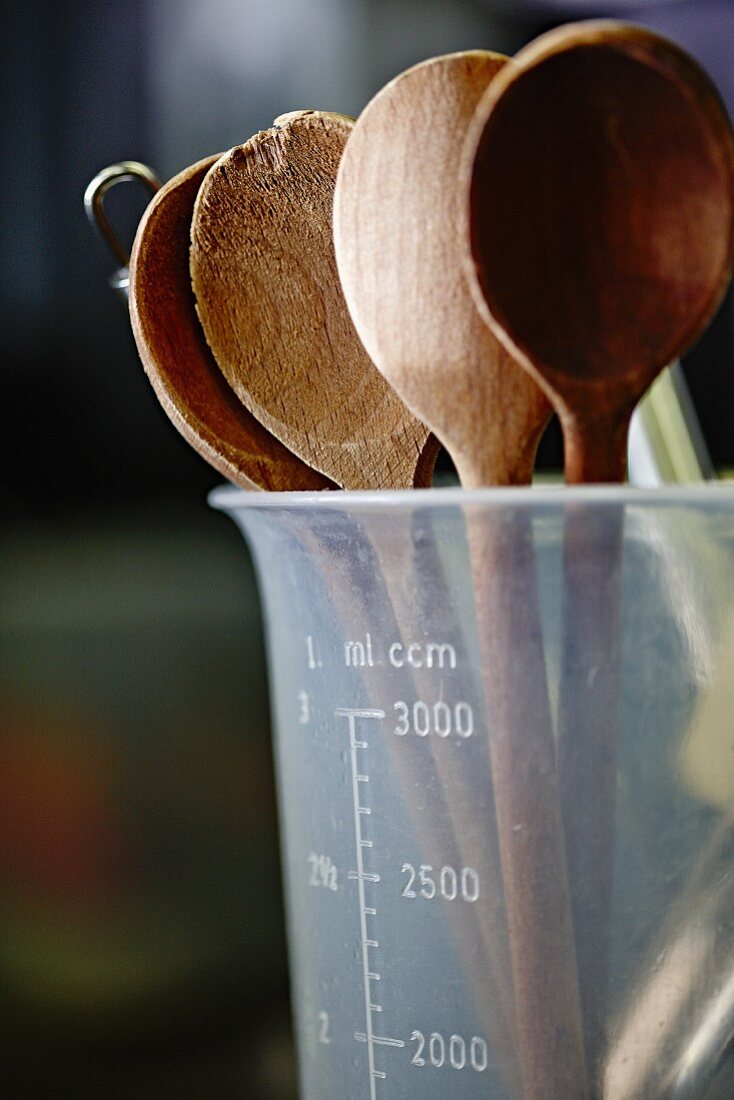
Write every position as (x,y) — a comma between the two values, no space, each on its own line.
(600,175)
(396,208)
(180,366)
(272,309)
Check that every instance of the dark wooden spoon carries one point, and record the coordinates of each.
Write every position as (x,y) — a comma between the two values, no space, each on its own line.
(600,180)
(600,168)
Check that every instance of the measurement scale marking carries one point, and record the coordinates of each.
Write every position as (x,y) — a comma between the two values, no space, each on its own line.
(361,876)
(350,712)
(381,1040)
(366,876)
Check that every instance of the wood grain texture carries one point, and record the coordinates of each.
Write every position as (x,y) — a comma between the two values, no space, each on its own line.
(600,171)
(396,216)
(177,360)
(270,303)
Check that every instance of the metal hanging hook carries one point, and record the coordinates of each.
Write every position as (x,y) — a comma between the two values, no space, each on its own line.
(94,197)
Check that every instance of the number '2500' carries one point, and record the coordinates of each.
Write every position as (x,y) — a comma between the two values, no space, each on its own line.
(445,883)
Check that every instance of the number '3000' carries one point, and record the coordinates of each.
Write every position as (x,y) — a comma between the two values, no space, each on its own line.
(437,719)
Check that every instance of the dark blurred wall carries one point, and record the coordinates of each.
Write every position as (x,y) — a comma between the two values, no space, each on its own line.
(74,99)
(168,81)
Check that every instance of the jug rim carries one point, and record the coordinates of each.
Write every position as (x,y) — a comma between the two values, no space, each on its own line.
(228,497)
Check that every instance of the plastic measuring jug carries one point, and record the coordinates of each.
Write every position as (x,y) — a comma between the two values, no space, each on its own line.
(407,951)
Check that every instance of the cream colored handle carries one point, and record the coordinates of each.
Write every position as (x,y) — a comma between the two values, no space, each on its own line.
(666,444)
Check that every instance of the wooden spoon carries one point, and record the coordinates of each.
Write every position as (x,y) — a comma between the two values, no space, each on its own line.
(396,211)
(600,177)
(178,362)
(268,296)
(600,167)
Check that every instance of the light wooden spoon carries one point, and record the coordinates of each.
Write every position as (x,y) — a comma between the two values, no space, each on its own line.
(600,179)
(178,362)
(270,304)
(396,214)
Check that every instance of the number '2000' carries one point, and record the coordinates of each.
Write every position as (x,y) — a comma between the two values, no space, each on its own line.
(434,1050)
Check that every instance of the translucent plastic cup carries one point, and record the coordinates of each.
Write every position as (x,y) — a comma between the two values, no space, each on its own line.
(504,727)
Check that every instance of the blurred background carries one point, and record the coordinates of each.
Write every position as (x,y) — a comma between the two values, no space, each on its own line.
(141,929)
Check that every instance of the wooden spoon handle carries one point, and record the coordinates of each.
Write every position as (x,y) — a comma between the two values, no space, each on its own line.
(588,720)
(595,447)
(547,1005)
(595,452)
